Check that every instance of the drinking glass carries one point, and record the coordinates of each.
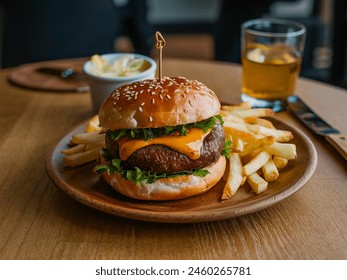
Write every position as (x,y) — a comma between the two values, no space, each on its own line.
(271,56)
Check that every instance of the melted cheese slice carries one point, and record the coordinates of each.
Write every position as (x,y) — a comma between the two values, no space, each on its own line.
(189,145)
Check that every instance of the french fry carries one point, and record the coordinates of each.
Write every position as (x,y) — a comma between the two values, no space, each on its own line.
(82,157)
(270,171)
(239,107)
(256,163)
(87,145)
(259,121)
(257,183)
(87,138)
(227,117)
(92,146)
(280,135)
(226,171)
(238,130)
(259,112)
(255,152)
(234,179)
(73,150)
(237,144)
(244,179)
(285,150)
(257,143)
(245,105)
(280,162)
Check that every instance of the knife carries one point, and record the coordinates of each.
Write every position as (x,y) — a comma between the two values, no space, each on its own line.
(318,125)
(64,73)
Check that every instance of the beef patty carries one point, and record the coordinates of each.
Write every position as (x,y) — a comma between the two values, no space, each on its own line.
(161,159)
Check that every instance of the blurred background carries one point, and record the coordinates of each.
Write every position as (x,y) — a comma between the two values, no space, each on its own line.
(38,30)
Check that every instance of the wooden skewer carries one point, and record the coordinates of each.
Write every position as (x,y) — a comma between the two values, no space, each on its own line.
(160,43)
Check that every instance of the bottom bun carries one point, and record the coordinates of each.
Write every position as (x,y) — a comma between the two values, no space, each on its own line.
(167,188)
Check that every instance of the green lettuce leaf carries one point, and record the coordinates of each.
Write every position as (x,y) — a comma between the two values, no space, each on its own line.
(137,175)
(150,133)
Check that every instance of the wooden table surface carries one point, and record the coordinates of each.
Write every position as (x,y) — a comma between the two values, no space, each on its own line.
(38,221)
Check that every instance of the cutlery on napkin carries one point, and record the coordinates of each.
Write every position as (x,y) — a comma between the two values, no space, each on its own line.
(318,125)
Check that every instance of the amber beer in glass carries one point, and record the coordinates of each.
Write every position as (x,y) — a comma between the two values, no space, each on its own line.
(271,60)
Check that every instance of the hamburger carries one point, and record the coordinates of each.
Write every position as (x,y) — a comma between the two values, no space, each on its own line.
(164,139)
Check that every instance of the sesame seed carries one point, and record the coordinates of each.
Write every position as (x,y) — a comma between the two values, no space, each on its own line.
(140,109)
(150,119)
(153,101)
(160,96)
(152,93)
(143,103)
(168,96)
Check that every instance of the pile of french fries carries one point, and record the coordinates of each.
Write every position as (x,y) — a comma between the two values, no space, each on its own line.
(84,147)
(258,149)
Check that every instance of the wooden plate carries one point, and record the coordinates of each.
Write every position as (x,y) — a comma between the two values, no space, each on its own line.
(27,75)
(89,188)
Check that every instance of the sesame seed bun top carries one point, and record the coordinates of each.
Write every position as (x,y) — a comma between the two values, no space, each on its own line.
(153,103)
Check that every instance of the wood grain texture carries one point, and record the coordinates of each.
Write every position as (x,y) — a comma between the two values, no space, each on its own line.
(38,221)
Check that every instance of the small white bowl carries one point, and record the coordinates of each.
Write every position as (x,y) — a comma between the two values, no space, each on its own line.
(102,87)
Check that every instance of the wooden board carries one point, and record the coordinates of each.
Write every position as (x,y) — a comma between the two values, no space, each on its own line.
(27,76)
